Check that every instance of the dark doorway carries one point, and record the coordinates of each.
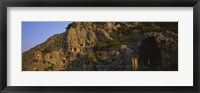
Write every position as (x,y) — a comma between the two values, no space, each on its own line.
(149,55)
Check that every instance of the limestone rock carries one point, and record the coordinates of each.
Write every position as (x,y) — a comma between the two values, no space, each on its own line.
(98,46)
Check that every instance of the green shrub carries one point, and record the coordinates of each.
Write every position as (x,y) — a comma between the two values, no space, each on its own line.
(46,50)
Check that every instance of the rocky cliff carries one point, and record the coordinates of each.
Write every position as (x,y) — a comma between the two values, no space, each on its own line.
(107,46)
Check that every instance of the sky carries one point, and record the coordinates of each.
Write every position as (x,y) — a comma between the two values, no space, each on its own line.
(34,33)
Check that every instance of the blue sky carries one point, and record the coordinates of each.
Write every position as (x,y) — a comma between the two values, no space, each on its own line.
(34,33)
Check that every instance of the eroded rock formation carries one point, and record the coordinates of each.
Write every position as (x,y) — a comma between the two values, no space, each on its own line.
(107,46)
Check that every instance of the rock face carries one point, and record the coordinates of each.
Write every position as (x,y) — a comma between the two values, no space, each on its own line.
(107,46)
(46,56)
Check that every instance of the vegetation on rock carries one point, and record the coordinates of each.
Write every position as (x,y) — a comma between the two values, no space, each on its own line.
(105,46)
